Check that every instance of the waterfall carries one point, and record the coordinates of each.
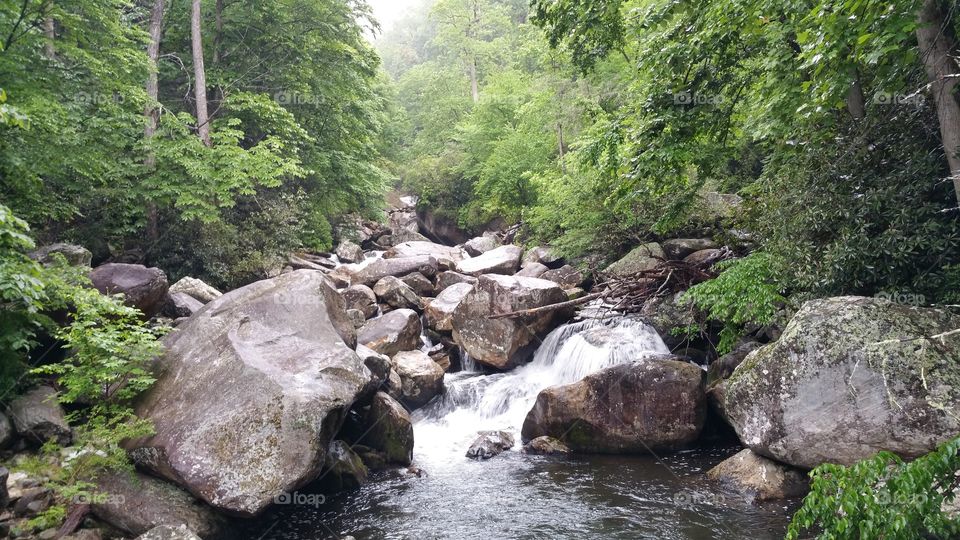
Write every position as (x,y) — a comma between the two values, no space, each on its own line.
(474,401)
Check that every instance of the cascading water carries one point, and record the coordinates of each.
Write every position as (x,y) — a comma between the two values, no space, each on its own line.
(474,401)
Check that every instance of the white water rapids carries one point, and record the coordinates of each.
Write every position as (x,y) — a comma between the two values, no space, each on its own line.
(475,402)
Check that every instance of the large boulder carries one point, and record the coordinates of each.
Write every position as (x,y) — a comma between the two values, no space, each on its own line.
(502,260)
(652,405)
(546,446)
(421,249)
(439,312)
(641,259)
(361,298)
(421,378)
(505,343)
(377,270)
(678,248)
(251,391)
(532,270)
(671,316)
(349,252)
(37,417)
(446,279)
(144,288)
(397,294)
(196,289)
(181,305)
(73,254)
(567,277)
(759,478)
(850,377)
(388,429)
(420,284)
(343,468)
(395,332)
(440,228)
(7,434)
(706,257)
(542,255)
(136,503)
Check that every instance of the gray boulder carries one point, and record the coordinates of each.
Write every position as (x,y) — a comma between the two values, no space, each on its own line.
(421,378)
(533,270)
(144,288)
(197,289)
(641,259)
(446,279)
(489,444)
(646,406)
(420,284)
(394,332)
(678,248)
(181,305)
(850,377)
(7,433)
(480,245)
(361,298)
(759,478)
(397,294)
(74,255)
(382,268)
(250,392)
(425,249)
(502,260)
(543,255)
(136,503)
(343,468)
(348,252)
(439,312)
(505,343)
(166,532)
(567,277)
(706,257)
(38,417)
(546,446)
(389,429)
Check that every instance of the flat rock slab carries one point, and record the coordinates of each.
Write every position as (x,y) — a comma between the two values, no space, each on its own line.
(502,260)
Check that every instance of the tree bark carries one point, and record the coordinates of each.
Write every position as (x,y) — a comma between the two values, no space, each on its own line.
(152,109)
(560,147)
(937,43)
(856,103)
(218,33)
(474,83)
(199,75)
(50,32)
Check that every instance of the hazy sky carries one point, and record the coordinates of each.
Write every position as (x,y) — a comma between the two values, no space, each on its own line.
(388,11)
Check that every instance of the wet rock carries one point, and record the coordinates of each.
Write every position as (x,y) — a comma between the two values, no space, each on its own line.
(502,260)
(196,289)
(144,288)
(533,270)
(37,417)
(490,444)
(7,433)
(344,469)
(546,446)
(505,343)
(850,377)
(707,257)
(723,367)
(759,478)
(421,378)
(74,255)
(250,392)
(641,259)
(480,245)
(421,249)
(348,252)
(543,255)
(567,277)
(362,298)
(181,305)
(641,407)
(439,312)
(389,429)
(397,294)
(378,364)
(380,269)
(420,284)
(136,503)
(678,249)
(394,332)
(166,532)
(446,279)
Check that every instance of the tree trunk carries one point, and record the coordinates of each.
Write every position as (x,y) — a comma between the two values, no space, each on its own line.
(152,110)
(199,75)
(50,32)
(856,104)
(936,42)
(474,83)
(218,33)
(560,147)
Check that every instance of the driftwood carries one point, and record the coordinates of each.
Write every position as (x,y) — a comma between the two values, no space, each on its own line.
(75,517)
(628,294)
